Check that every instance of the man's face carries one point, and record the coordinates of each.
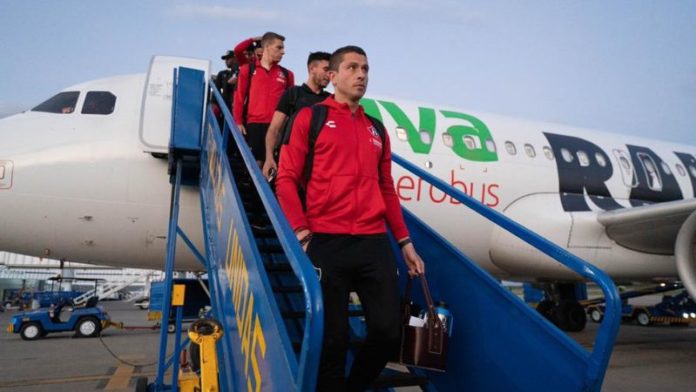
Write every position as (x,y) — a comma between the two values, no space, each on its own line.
(274,50)
(319,72)
(258,52)
(230,61)
(350,80)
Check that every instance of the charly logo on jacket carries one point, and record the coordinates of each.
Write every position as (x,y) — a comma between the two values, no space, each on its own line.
(376,140)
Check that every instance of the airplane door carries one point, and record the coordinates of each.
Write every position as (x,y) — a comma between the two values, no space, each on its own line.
(6,168)
(156,113)
(627,172)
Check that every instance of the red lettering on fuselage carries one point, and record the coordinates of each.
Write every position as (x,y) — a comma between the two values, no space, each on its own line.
(483,192)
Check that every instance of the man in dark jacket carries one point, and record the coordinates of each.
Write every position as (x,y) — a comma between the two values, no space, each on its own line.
(294,99)
(226,80)
(350,199)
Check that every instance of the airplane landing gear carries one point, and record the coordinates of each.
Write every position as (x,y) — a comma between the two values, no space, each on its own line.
(561,307)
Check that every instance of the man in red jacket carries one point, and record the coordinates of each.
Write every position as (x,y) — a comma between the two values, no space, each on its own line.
(350,198)
(259,88)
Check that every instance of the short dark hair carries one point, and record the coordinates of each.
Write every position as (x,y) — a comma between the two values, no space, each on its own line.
(337,55)
(318,56)
(270,37)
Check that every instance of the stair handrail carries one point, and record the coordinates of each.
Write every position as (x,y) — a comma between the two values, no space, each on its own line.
(606,336)
(297,258)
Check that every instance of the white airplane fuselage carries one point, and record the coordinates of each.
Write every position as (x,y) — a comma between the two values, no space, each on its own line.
(86,188)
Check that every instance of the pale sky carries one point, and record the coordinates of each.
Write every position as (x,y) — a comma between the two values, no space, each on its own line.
(621,66)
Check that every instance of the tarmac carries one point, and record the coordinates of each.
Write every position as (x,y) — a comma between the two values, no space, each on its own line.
(654,358)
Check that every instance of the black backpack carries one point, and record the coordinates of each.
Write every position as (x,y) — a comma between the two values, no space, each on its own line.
(252,68)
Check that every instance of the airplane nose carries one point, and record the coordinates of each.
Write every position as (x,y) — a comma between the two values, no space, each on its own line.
(6,170)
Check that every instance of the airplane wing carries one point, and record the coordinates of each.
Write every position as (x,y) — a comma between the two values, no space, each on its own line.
(651,229)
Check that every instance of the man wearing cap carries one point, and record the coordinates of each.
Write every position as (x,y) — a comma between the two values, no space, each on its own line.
(226,80)
(248,50)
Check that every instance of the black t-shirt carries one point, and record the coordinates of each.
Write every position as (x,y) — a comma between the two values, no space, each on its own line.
(226,90)
(298,97)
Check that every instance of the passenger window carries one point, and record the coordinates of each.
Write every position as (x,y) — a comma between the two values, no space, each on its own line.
(447,139)
(680,169)
(425,137)
(401,134)
(583,159)
(62,103)
(490,145)
(469,142)
(666,169)
(601,160)
(99,102)
(654,181)
(529,149)
(2,172)
(548,152)
(625,163)
(692,170)
(567,156)
(510,147)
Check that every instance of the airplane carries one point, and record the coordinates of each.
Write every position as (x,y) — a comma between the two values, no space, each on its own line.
(83,177)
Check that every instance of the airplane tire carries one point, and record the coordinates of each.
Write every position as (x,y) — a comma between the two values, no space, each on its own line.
(571,316)
(31,331)
(87,327)
(141,384)
(643,318)
(546,309)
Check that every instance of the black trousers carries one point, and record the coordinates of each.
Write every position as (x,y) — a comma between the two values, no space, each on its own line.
(256,139)
(366,265)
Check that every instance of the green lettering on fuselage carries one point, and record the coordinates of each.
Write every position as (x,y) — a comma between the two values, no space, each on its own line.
(427,123)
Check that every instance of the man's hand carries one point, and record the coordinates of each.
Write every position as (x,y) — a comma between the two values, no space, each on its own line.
(267,166)
(302,234)
(415,265)
(232,80)
(241,129)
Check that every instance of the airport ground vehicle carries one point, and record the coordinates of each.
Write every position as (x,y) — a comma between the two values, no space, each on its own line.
(679,309)
(87,320)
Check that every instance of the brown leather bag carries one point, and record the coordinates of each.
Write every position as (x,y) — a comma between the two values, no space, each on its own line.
(423,347)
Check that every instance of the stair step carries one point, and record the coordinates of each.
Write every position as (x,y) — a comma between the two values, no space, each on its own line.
(398,379)
(276,268)
(287,289)
(300,313)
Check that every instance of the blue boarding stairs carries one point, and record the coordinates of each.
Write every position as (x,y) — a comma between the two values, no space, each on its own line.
(265,293)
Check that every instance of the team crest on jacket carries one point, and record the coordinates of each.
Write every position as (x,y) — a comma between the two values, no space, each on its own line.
(373,131)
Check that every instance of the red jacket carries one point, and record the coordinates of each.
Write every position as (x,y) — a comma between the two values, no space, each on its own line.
(267,86)
(351,190)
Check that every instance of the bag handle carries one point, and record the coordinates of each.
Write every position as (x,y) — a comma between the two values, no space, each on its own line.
(434,325)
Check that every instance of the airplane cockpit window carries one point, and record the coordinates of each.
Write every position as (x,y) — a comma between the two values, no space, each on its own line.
(666,169)
(654,181)
(99,102)
(447,139)
(680,170)
(469,142)
(61,103)
(510,147)
(490,145)
(583,158)
(529,149)
(548,152)
(567,156)
(692,170)
(401,134)
(601,160)
(425,137)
